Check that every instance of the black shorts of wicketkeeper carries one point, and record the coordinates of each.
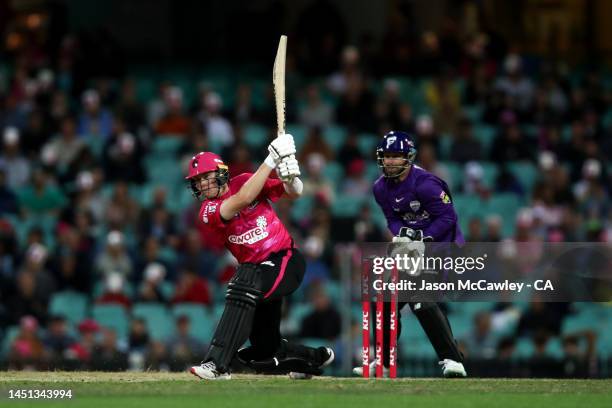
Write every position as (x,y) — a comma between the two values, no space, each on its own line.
(253,306)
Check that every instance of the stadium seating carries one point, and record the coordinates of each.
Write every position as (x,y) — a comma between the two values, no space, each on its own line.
(157,317)
(114,317)
(72,305)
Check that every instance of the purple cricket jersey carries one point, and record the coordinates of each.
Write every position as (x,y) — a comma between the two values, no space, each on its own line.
(421,202)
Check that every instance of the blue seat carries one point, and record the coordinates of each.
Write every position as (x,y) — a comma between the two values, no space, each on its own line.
(202,323)
(299,134)
(158,319)
(71,305)
(114,317)
(526,173)
(333,172)
(347,206)
(334,136)
(255,136)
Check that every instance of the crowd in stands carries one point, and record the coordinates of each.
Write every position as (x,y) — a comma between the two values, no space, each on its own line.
(92,199)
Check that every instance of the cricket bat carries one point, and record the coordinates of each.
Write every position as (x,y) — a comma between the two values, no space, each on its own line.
(278,78)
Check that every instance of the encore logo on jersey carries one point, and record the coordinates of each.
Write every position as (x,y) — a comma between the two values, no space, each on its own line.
(253,235)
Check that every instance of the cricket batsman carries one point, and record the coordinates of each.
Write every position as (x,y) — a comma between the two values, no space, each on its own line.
(418,208)
(238,212)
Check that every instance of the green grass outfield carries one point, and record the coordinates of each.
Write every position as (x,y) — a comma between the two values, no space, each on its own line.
(182,390)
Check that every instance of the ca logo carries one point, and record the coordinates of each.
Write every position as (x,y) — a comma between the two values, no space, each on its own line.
(390,141)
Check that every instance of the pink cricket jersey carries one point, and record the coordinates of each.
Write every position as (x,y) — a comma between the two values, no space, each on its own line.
(255,232)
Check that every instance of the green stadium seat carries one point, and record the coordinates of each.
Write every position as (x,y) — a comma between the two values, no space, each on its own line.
(202,323)
(166,146)
(334,172)
(372,172)
(255,136)
(9,335)
(114,317)
(346,205)
(72,305)
(485,135)
(302,208)
(446,145)
(526,173)
(159,321)
(299,133)
(334,136)
(490,171)
(367,145)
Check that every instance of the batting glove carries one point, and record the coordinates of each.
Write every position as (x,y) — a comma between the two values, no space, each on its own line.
(282,146)
(288,168)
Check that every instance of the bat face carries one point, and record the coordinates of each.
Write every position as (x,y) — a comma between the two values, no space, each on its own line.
(278,78)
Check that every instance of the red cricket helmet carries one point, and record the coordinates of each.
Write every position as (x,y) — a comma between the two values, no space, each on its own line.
(205,162)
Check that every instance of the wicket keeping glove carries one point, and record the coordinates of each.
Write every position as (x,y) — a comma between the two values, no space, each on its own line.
(282,146)
(410,242)
(288,168)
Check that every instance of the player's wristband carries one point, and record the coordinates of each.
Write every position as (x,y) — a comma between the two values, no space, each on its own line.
(269,161)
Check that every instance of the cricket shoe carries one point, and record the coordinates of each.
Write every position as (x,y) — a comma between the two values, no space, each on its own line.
(358,371)
(208,371)
(451,368)
(329,356)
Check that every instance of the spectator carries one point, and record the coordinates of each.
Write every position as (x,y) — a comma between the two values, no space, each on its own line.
(138,336)
(173,122)
(81,352)
(113,294)
(11,159)
(474,233)
(107,355)
(511,145)
(240,160)
(151,289)
(316,112)
(464,147)
(244,110)
(42,198)
(355,184)
(481,342)
(194,256)
(515,85)
(122,156)
(324,322)
(315,144)
(129,108)
(157,221)
(114,258)
(182,347)
(190,288)
(316,185)
(64,148)
(316,269)
(95,120)
(8,198)
(57,340)
(350,150)
(122,211)
(27,351)
(218,129)
(427,160)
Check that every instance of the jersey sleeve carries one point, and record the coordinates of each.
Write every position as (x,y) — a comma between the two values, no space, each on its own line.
(210,215)
(436,200)
(394,222)
(273,190)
